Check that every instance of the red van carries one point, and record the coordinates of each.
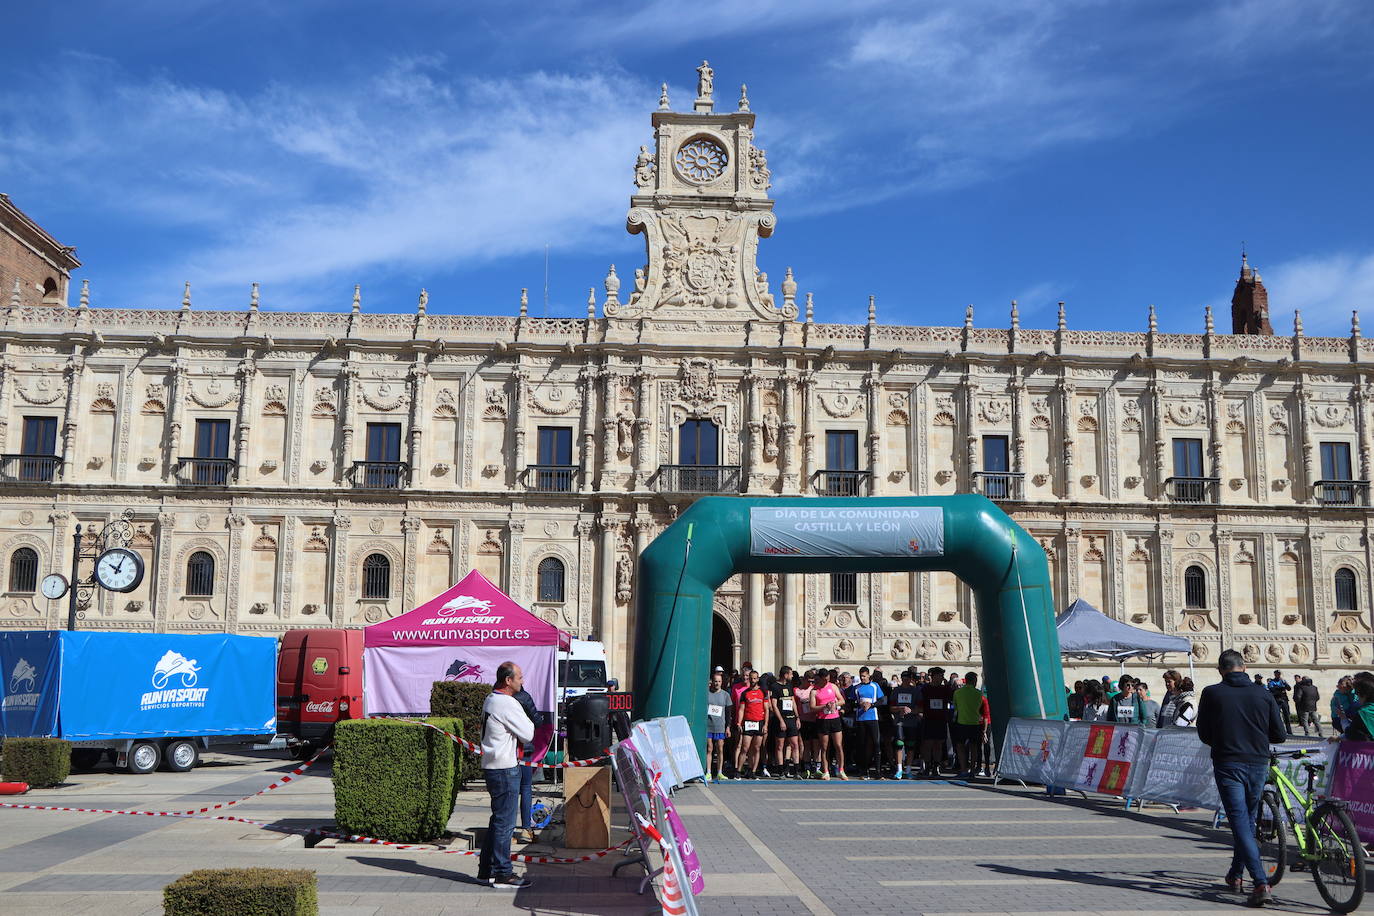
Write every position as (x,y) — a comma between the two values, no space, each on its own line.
(319,682)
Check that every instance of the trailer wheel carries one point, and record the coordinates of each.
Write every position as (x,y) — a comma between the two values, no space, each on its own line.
(144,757)
(181,755)
(302,751)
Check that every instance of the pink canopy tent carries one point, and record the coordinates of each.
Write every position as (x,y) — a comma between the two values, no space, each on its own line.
(462,634)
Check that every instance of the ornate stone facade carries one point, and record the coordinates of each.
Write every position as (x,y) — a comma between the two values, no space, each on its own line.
(1244,549)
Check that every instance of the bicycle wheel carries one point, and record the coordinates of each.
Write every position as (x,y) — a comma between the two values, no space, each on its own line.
(1339,867)
(1271,832)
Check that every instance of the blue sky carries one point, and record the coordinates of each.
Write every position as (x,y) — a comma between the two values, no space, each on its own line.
(934,154)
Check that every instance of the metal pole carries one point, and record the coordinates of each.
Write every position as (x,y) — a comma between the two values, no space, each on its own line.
(76,567)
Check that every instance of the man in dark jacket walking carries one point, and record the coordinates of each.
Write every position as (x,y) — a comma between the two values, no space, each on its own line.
(1305,697)
(1238,719)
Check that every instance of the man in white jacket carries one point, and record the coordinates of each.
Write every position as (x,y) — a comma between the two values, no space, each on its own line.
(503,723)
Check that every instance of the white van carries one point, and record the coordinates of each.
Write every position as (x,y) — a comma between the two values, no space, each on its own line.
(581,670)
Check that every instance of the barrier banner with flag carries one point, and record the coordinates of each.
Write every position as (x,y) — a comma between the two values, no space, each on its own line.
(1031,750)
(1098,757)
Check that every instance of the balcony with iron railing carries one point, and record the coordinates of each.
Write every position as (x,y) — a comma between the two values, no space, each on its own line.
(1191,490)
(204,472)
(842,483)
(1342,492)
(379,475)
(1000,486)
(698,478)
(551,478)
(29,468)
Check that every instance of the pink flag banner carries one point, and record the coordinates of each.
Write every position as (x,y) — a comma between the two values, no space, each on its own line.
(1352,781)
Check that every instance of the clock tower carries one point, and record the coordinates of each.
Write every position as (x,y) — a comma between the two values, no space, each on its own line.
(702,205)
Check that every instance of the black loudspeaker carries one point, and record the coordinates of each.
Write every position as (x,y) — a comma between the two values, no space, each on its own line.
(589,727)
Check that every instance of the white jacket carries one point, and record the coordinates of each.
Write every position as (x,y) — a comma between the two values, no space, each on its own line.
(503,723)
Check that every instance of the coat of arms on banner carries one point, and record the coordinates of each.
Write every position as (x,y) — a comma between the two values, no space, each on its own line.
(1107,760)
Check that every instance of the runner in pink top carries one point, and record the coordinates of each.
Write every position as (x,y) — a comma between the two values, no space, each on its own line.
(826,701)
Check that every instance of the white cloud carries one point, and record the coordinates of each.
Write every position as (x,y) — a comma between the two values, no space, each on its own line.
(411,168)
(1326,288)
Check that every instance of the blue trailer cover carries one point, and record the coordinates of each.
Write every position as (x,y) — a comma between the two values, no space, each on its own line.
(123,685)
(30,675)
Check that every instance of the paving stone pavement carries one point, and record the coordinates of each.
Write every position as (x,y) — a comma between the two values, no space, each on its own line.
(938,849)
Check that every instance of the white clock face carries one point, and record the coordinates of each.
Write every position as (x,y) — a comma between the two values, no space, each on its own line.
(54,586)
(119,569)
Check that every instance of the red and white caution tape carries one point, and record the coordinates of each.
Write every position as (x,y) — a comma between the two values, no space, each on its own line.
(477,748)
(276,785)
(672,899)
(289,777)
(352,838)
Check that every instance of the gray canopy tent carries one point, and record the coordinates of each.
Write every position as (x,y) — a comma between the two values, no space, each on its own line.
(1086,632)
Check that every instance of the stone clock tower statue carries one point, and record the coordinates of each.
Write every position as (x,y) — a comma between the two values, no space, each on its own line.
(702,206)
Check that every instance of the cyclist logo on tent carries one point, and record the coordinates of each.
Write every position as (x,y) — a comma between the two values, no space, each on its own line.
(464,603)
(174,663)
(24,679)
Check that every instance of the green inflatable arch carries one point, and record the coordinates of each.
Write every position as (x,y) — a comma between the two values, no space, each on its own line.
(967,535)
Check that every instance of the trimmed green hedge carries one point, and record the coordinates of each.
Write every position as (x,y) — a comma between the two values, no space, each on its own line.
(394,780)
(40,762)
(242,892)
(463,700)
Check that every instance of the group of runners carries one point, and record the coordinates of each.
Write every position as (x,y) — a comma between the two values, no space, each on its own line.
(824,723)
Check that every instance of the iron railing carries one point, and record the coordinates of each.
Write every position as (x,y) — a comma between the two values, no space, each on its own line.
(29,468)
(1342,492)
(842,483)
(1000,486)
(1194,490)
(380,475)
(205,472)
(698,478)
(551,478)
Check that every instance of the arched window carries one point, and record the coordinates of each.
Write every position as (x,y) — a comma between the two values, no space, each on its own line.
(24,570)
(844,588)
(1195,587)
(551,580)
(377,576)
(1347,599)
(200,575)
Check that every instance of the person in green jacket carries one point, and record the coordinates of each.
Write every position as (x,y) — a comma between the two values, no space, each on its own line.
(1127,707)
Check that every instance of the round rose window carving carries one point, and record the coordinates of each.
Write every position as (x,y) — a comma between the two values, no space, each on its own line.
(701,159)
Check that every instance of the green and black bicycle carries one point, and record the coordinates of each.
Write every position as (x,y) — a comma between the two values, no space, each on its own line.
(1327,844)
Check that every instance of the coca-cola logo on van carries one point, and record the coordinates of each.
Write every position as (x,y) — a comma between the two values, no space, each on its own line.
(322,706)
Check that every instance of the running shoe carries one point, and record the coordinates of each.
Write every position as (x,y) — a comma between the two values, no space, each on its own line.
(510,882)
(844,775)
(1260,896)
(722,778)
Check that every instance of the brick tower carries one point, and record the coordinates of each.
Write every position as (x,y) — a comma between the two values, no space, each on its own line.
(1250,302)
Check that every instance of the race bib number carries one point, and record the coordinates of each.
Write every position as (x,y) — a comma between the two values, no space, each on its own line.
(937,704)
(714,710)
(787,704)
(1128,711)
(904,699)
(751,727)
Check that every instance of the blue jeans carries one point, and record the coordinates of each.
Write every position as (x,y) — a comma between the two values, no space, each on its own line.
(1240,786)
(504,787)
(526,795)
